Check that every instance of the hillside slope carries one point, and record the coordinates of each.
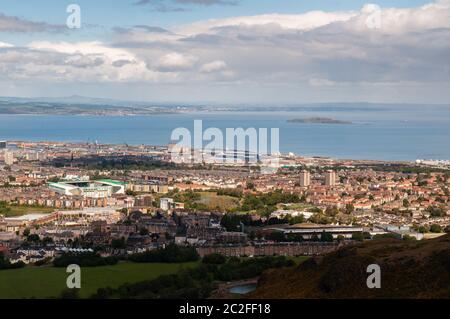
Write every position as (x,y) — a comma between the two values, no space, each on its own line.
(409,269)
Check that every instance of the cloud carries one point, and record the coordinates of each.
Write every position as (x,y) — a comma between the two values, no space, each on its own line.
(151,28)
(196,2)
(84,61)
(293,54)
(5,45)
(182,5)
(17,25)
(85,48)
(332,47)
(146,28)
(213,66)
(78,62)
(305,21)
(175,62)
(121,63)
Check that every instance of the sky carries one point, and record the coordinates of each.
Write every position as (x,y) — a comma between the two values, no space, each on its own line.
(228,51)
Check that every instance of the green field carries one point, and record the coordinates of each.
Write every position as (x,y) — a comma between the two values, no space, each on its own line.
(222,202)
(45,282)
(296,206)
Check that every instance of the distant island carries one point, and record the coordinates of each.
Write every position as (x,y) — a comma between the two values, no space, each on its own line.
(318,120)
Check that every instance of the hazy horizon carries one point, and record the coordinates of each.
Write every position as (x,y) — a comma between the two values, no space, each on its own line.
(66,99)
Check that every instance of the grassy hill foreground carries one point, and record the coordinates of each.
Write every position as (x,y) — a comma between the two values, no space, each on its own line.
(409,269)
(49,282)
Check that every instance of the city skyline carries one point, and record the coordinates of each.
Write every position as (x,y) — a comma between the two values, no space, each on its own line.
(229,51)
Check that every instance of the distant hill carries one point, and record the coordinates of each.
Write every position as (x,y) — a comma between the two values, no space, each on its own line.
(409,269)
(318,120)
(82,105)
(74,100)
(79,105)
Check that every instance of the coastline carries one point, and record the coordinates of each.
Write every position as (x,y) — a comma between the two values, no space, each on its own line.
(285,155)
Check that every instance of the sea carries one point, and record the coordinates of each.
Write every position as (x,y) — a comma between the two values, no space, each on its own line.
(397,133)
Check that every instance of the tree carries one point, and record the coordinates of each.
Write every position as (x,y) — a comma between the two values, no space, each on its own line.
(3,261)
(170,254)
(358,236)
(231,222)
(129,192)
(54,179)
(366,235)
(331,211)
(119,243)
(26,232)
(435,228)
(33,238)
(326,237)
(349,208)
(47,241)
(294,238)
(436,211)
(70,294)
(319,218)
(214,259)
(250,185)
(409,238)
(405,203)
(422,229)
(6,264)
(387,235)
(296,219)
(276,236)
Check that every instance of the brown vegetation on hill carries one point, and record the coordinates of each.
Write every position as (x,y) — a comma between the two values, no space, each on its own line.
(409,269)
